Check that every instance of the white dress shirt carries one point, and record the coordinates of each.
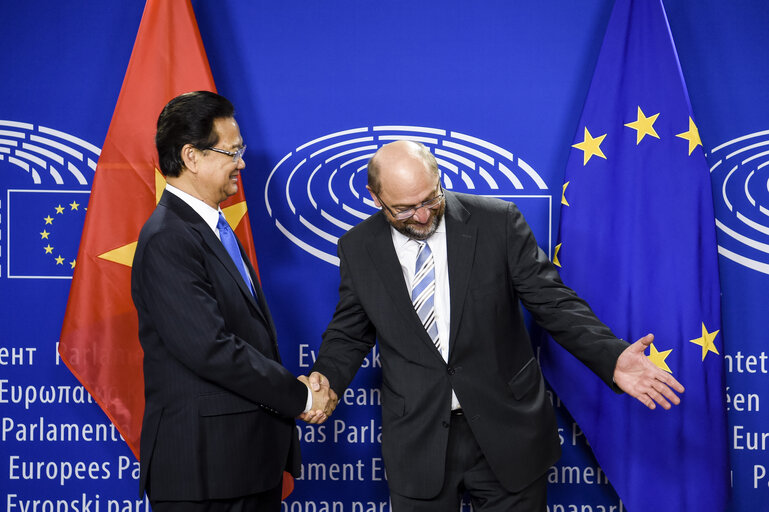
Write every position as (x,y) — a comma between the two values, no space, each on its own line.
(209,215)
(407,250)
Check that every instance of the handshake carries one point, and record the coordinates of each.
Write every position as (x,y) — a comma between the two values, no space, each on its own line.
(324,398)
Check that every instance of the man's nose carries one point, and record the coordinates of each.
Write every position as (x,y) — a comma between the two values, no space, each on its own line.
(422,214)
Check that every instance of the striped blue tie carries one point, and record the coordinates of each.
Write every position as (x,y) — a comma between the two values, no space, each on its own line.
(423,291)
(231,244)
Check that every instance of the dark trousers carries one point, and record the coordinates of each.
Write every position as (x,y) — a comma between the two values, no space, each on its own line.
(467,471)
(267,501)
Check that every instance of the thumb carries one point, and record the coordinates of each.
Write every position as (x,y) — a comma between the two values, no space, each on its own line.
(315,378)
(646,341)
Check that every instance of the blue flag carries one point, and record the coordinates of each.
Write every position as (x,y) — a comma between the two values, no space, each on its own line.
(43,232)
(637,241)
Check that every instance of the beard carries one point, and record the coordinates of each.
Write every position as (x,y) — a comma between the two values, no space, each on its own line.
(417,231)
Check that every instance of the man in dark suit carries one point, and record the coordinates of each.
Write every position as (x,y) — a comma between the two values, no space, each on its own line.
(437,278)
(218,427)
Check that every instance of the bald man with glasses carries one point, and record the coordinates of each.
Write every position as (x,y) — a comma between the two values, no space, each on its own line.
(437,277)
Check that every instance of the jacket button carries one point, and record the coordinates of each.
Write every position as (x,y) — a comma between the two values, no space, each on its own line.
(451,370)
(444,424)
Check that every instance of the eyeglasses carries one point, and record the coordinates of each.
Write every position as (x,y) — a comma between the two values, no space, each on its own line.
(409,212)
(236,155)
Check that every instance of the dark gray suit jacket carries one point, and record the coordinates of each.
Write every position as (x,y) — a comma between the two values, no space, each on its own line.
(494,262)
(220,407)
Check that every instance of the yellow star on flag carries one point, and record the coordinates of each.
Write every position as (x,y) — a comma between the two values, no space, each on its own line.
(44,235)
(706,341)
(555,256)
(72,263)
(59,209)
(563,194)
(48,220)
(643,126)
(658,358)
(693,136)
(590,146)
(59,260)
(74,205)
(124,254)
(48,249)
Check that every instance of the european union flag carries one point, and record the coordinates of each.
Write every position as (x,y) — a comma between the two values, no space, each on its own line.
(44,229)
(637,241)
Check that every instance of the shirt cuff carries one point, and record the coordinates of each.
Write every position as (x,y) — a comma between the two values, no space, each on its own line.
(308,403)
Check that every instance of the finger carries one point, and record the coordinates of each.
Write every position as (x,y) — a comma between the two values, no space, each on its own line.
(315,379)
(654,392)
(320,417)
(661,400)
(668,393)
(647,401)
(672,382)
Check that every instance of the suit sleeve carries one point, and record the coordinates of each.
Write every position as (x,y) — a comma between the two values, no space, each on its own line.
(179,297)
(349,336)
(554,306)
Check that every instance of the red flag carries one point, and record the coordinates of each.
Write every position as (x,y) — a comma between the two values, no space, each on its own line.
(99,339)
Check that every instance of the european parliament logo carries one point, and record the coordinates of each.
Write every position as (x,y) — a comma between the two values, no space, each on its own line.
(42,222)
(740,177)
(318,191)
(44,228)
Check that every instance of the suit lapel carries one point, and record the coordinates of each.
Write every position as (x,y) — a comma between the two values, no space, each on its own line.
(218,250)
(382,253)
(460,245)
(260,301)
(385,259)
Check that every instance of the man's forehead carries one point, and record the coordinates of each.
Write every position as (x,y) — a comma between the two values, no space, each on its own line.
(411,191)
(228,132)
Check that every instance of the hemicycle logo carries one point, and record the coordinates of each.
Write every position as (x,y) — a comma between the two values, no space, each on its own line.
(317,192)
(740,180)
(47,155)
(46,176)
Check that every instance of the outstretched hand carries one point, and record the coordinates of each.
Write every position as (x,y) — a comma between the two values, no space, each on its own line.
(324,399)
(637,376)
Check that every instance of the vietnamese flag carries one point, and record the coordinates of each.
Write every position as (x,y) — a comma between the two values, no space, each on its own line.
(99,339)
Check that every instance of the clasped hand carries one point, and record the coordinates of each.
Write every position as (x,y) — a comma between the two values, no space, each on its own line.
(324,399)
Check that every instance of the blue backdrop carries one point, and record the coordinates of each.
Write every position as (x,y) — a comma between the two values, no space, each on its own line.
(499,86)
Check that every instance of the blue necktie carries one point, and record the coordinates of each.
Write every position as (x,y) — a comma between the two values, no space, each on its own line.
(231,244)
(423,291)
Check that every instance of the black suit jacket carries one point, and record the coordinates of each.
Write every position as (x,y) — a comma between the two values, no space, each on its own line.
(494,262)
(220,407)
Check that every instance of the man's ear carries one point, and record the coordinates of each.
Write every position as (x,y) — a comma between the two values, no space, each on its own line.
(190,157)
(374,197)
